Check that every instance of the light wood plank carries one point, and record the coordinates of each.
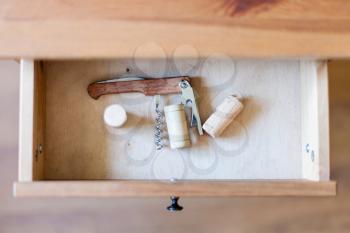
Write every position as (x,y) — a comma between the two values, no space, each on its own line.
(323,120)
(32,118)
(26,120)
(39,122)
(89,28)
(166,189)
(315,120)
(181,10)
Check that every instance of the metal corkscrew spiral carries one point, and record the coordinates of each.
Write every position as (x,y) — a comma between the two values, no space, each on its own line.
(158,137)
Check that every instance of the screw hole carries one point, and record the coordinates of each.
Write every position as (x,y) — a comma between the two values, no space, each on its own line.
(307,148)
(312,156)
(127,70)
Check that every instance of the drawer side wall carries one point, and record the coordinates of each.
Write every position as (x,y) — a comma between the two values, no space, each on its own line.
(31,121)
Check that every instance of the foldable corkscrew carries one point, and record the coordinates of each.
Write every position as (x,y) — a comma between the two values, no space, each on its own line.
(151,87)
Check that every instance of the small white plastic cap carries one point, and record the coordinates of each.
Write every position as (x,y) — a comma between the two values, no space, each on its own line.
(115,115)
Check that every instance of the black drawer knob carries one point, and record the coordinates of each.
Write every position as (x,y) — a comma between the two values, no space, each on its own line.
(174,205)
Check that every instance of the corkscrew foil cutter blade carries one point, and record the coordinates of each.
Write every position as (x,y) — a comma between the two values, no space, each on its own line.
(123,79)
(188,98)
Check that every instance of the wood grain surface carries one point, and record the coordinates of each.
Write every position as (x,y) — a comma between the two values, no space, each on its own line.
(167,189)
(148,87)
(107,28)
(202,215)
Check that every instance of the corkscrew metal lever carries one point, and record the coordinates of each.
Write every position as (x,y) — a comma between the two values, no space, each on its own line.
(188,98)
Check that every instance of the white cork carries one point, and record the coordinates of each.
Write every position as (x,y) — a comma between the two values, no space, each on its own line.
(115,115)
(177,126)
(224,114)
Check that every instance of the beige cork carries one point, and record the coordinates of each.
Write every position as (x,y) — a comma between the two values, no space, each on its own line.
(177,126)
(224,114)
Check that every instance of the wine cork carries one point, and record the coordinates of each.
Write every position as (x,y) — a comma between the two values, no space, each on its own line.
(224,114)
(177,126)
(115,115)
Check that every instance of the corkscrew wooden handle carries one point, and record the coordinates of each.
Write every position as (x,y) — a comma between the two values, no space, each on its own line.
(149,86)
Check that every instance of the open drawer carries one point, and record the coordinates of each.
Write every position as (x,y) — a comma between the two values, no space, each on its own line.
(278,146)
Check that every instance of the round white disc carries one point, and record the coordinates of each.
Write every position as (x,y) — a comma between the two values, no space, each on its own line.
(115,115)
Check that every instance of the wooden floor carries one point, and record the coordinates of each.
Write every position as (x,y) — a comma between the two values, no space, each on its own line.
(200,214)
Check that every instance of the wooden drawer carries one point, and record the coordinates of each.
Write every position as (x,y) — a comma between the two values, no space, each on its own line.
(279,145)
